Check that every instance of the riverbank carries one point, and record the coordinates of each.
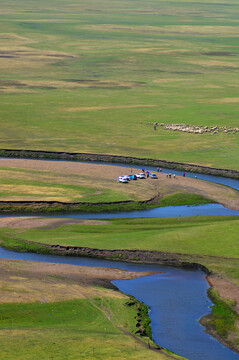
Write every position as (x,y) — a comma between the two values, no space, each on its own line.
(62,235)
(35,186)
(83,299)
(39,154)
(212,323)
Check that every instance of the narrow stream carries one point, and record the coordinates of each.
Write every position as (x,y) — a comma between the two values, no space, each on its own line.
(176,297)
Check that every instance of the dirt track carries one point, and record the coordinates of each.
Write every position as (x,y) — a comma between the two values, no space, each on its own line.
(31,222)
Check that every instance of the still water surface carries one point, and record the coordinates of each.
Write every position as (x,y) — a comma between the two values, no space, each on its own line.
(177,299)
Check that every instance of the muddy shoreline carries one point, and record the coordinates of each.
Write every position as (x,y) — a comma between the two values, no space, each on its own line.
(38,154)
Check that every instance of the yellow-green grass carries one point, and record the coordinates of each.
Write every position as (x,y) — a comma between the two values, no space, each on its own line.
(214,236)
(79,321)
(29,186)
(91,184)
(212,241)
(70,330)
(77,76)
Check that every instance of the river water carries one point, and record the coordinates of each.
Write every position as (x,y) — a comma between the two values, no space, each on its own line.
(176,297)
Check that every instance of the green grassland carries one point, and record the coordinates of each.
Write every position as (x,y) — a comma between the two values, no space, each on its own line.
(190,235)
(89,76)
(21,184)
(212,241)
(18,184)
(75,329)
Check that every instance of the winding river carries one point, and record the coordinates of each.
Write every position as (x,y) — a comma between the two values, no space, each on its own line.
(176,297)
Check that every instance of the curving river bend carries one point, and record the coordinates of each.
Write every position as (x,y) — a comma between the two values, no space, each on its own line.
(176,297)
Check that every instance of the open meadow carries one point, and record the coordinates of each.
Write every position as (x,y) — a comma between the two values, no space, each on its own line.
(210,241)
(89,76)
(35,180)
(65,312)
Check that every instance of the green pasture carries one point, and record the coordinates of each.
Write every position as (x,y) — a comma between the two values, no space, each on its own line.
(76,329)
(41,185)
(215,236)
(85,76)
(212,241)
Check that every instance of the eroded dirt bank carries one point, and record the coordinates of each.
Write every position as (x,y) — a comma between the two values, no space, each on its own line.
(37,154)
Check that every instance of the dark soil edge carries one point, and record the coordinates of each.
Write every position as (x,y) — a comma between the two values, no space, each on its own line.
(38,154)
(135,256)
(46,207)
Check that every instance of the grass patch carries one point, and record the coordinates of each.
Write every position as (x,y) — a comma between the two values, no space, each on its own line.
(16,244)
(216,236)
(143,320)
(66,85)
(184,198)
(222,318)
(38,329)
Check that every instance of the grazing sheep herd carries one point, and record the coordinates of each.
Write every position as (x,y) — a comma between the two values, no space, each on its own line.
(196,129)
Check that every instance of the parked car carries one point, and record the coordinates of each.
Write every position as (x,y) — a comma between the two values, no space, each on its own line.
(122,179)
(132,177)
(153,176)
(141,176)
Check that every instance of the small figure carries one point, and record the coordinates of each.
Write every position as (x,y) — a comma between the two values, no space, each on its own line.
(160,170)
(169,175)
(155,126)
(166,175)
(184,174)
(174,175)
(157,169)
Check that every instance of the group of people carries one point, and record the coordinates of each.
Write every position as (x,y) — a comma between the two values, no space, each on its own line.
(160,170)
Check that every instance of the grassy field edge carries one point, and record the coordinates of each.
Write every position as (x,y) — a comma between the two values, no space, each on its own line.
(221,321)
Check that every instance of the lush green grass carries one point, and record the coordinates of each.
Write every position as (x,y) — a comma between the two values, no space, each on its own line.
(222,318)
(216,236)
(70,330)
(211,241)
(73,74)
(183,198)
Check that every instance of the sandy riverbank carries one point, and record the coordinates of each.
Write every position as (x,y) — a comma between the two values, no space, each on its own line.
(32,281)
(104,177)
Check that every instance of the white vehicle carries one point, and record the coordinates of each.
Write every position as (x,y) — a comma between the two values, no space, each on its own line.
(126,177)
(153,176)
(141,176)
(122,179)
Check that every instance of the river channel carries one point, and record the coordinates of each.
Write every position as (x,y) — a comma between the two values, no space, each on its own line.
(177,297)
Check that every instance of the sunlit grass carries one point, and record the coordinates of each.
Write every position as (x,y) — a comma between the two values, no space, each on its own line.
(127,64)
